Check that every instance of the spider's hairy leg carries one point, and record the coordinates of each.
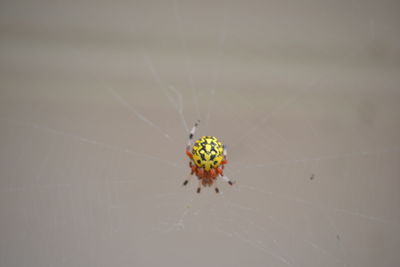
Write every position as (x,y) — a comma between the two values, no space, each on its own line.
(187,179)
(188,153)
(216,187)
(200,183)
(193,168)
(191,135)
(225,161)
(226,179)
(220,171)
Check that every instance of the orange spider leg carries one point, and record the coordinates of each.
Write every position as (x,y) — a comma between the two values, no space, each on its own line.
(189,154)
(199,188)
(194,169)
(216,187)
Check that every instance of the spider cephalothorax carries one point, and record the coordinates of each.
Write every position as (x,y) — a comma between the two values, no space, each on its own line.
(207,160)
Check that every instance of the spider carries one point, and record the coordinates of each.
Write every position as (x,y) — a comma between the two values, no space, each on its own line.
(207,160)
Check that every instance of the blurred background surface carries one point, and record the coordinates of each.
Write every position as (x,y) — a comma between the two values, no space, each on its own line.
(97,98)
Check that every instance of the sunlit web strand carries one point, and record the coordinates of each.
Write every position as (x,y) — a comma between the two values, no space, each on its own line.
(324,158)
(239,217)
(90,141)
(188,63)
(314,205)
(216,73)
(242,238)
(137,113)
(284,105)
(177,102)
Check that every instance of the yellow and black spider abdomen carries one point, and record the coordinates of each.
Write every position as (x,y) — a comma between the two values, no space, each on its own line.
(208,152)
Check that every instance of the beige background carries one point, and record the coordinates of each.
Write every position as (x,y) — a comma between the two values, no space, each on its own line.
(96,99)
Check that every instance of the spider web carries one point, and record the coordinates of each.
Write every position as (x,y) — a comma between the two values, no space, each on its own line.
(92,165)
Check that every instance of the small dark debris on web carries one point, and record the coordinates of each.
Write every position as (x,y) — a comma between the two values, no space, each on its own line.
(338,237)
(312,177)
